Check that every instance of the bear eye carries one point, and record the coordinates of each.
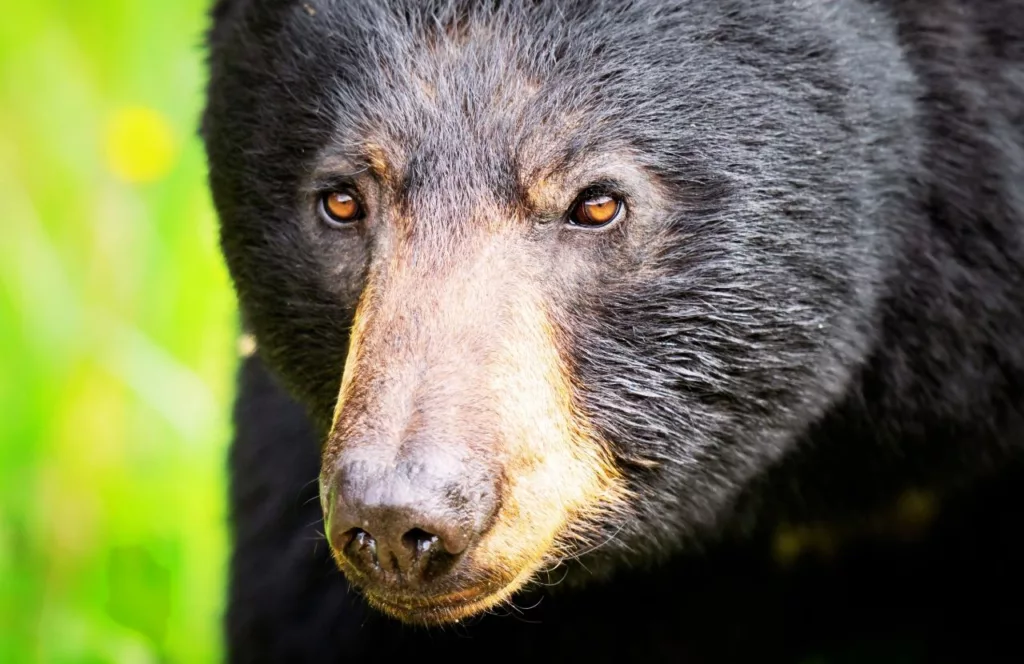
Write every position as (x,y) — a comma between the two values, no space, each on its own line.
(596,210)
(340,208)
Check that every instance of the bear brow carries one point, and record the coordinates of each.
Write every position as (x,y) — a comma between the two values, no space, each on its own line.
(566,159)
(351,164)
(577,149)
(567,154)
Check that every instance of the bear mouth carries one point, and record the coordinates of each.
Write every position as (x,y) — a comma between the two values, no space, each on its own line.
(435,611)
(443,609)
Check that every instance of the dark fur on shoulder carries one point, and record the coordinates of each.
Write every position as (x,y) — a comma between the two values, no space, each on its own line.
(823,308)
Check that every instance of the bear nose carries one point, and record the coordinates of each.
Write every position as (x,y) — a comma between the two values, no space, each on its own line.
(377,539)
(405,525)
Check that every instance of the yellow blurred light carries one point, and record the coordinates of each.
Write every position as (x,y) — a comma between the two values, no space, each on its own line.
(788,544)
(140,144)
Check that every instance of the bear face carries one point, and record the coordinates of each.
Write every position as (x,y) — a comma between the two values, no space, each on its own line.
(555,280)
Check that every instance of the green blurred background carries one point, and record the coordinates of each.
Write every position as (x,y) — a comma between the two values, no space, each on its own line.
(117,338)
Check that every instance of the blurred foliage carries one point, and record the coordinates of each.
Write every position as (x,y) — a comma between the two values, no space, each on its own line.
(117,328)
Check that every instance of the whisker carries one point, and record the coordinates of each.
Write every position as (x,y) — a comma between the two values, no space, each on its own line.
(611,538)
(305,486)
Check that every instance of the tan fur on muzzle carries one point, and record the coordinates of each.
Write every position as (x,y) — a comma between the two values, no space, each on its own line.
(470,353)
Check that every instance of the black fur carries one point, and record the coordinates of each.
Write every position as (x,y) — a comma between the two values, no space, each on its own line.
(829,310)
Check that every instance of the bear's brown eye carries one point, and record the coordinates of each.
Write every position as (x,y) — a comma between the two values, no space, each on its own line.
(596,210)
(340,207)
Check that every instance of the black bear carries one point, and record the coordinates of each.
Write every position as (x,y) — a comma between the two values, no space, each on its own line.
(687,330)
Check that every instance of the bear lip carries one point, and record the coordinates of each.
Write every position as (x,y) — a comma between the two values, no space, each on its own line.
(446,608)
(426,609)
(436,610)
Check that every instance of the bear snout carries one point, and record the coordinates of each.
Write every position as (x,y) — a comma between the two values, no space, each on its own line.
(402,528)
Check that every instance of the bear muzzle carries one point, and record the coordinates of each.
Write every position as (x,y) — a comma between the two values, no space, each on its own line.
(459,464)
(401,528)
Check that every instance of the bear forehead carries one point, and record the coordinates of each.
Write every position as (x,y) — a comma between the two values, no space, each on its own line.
(456,73)
(467,108)
(471,98)
(492,93)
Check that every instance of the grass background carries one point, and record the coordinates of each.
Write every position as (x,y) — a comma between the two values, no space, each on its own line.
(117,338)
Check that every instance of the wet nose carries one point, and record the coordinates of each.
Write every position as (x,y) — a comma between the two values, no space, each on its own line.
(407,524)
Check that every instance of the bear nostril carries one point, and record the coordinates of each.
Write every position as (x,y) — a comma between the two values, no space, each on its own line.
(428,554)
(340,541)
(360,547)
(391,531)
(419,541)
